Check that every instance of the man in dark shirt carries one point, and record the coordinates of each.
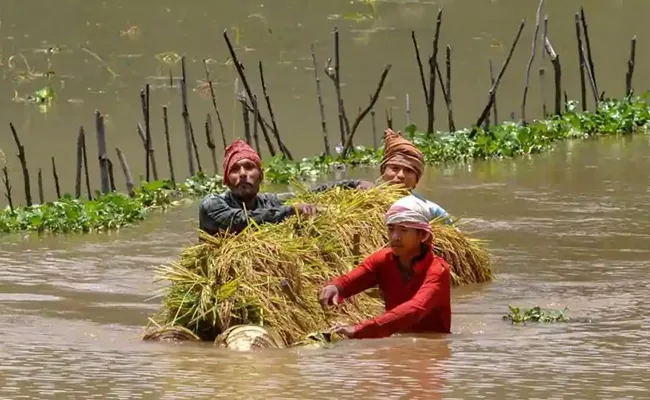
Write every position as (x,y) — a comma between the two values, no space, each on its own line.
(232,210)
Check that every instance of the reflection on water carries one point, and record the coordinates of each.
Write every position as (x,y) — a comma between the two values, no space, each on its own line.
(567,229)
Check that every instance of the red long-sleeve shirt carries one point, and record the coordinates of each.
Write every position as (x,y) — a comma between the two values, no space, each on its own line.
(420,304)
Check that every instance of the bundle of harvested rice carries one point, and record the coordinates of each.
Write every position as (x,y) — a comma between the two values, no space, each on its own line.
(269,275)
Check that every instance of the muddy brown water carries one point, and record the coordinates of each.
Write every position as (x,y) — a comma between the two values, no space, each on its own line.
(568,228)
(130,39)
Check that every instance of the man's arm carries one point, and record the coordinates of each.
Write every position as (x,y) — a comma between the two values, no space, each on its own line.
(439,212)
(361,278)
(216,215)
(409,313)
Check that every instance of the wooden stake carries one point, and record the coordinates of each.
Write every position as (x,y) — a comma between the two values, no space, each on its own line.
(530,60)
(186,120)
(101,148)
(41,194)
(127,172)
(5,180)
(77,191)
(557,69)
(493,89)
(581,66)
(210,143)
(321,106)
(56,180)
(170,162)
(214,104)
(433,62)
(85,162)
(630,67)
(23,165)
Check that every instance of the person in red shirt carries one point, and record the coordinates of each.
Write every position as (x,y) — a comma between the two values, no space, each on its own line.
(414,282)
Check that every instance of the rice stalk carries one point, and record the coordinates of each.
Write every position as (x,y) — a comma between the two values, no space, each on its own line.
(270,275)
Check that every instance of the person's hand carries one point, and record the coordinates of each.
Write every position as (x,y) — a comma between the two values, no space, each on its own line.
(329,295)
(343,330)
(364,185)
(307,209)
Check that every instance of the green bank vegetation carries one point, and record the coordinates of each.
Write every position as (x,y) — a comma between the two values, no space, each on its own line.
(508,139)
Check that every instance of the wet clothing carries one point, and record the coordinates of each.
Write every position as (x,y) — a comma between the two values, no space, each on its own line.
(218,213)
(435,211)
(417,299)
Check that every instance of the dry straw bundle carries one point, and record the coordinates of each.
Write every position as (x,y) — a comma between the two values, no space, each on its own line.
(270,274)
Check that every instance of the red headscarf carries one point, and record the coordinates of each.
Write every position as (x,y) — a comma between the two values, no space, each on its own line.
(236,152)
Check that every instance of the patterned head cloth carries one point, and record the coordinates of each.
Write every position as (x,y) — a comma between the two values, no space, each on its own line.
(398,150)
(410,212)
(236,152)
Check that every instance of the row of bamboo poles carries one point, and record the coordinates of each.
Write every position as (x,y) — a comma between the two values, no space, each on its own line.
(269,130)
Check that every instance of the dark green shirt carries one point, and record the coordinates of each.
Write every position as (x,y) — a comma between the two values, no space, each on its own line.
(222,212)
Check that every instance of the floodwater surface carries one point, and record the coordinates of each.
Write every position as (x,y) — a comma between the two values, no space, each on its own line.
(567,228)
(103,54)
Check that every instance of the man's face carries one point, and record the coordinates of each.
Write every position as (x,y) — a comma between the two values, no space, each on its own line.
(398,174)
(405,241)
(244,179)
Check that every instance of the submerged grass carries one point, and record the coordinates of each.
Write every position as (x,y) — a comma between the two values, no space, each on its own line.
(509,139)
(270,274)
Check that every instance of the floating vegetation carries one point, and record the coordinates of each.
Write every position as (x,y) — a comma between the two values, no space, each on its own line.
(43,96)
(270,274)
(535,314)
(506,140)
(103,212)
(168,57)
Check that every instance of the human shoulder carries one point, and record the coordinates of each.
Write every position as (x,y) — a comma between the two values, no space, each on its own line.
(439,266)
(425,201)
(211,200)
(269,199)
(434,209)
(380,257)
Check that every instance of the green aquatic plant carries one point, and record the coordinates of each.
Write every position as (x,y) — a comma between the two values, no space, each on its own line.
(105,211)
(506,140)
(535,314)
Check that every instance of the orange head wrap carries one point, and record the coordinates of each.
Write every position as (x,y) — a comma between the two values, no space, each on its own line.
(236,152)
(400,151)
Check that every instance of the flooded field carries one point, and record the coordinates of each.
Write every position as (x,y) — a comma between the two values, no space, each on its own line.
(568,228)
(104,54)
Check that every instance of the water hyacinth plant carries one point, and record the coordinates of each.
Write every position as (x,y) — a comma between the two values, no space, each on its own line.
(517,315)
(508,139)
